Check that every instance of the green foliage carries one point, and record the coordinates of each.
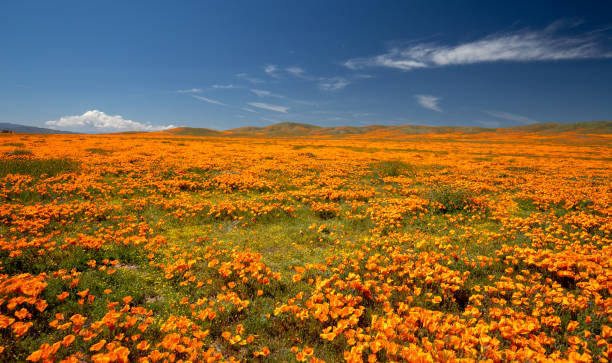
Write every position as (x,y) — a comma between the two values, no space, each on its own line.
(392,168)
(19,152)
(99,151)
(450,198)
(37,167)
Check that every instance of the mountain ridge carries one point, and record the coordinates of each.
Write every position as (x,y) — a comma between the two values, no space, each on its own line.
(24,129)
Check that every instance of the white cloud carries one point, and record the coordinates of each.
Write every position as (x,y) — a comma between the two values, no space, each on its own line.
(389,60)
(201,98)
(261,93)
(103,122)
(429,102)
(249,78)
(333,83)
(272,70)
(520,46)
(224,86)
(192,90)
(299,72)
(296,71)
(267,106)
(511,117)
(324,83)
(264,93)
(248,109)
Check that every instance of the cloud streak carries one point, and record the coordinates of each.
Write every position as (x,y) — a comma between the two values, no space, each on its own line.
(103,122)
(224,86)
(429,102)
(249,78)
(336,83)
(269,107)
(272,71)
(264,93)
(333,83)
(261,92)
(192,90)
(296,71)
(520,46)
(202,98)
(511,117)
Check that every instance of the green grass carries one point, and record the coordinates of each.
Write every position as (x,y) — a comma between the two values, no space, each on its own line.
(19,152)
(37,167)
(99,151)
(283,239)
(450,198)
(392,168)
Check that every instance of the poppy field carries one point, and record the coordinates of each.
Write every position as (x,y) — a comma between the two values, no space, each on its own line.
(161,248)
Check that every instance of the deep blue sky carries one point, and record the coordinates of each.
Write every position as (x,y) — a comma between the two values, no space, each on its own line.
(114,65)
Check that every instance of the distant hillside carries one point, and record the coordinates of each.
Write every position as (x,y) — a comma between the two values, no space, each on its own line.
(193,131)
(279,129)
(294,129)
(23,129)
(300,129)
(589,127)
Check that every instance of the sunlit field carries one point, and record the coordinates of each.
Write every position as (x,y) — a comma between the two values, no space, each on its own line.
(154,247)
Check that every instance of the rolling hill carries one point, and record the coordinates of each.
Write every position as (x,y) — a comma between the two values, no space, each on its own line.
(293,129)
(589,127)
(193,131)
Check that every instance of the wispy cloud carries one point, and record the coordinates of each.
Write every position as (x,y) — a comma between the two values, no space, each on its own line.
(224,86)
(248,109)
(261,93)
(264,93)
(520,46)
(336,83)
(429,102)
(201,98)
(269,107)
(102,122)
(511,117)
(272,70)
(249,78)
(192,90)
(296,71)
(333,83)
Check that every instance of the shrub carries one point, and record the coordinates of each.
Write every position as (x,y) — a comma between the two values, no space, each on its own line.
(450,198)
(392,168)
(99,151)
(19,152)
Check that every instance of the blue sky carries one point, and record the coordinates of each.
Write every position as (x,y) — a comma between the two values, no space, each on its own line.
(98,66)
